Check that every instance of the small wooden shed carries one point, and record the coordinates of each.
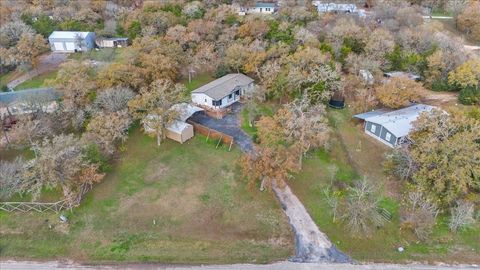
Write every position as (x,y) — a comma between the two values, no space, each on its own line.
(180,131)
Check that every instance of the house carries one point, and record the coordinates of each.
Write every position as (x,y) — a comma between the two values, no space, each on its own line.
(396,74)
(179,130)
(111,42)
(71,41)
(216,96)
(28,101)
(259,8)
(333,7)
(392,127)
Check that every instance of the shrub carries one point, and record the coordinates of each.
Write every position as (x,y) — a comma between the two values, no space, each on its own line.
(469,96)
(441,86)
(95,156)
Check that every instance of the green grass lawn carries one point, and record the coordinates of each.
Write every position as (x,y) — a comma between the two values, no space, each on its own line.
(172,204)
(102,55)
(197,81)
(348,147)
(37,82)
(264,109)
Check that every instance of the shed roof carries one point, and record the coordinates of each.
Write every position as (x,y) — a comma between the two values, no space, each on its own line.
(68,34)
(46,94)
(399,122)
(223,86)
(178,126)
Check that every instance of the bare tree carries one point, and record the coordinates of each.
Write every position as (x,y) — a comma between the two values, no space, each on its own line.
(153,106)
(419,215)
(361,210)
(114,99)
(31,130)
(462,216)
(306,125)
(107,129)
(58,164)
(11,176)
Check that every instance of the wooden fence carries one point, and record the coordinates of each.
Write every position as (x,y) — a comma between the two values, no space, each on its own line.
(45,206)
(212,134)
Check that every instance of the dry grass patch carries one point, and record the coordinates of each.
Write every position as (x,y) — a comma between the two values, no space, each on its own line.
(172,204)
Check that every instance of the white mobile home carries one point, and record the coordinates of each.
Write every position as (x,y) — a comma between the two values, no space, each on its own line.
(71,41)
(112,42)
(223,92)
(334,7)
(259,8)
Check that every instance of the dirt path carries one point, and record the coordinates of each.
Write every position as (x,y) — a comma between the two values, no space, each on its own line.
(440,98)
(48,62)
(312,245)
(14,265)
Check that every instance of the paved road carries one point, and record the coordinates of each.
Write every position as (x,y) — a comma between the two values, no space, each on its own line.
(230,125)
(13,265)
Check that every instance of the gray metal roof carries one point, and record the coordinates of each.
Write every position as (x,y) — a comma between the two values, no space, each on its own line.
(8,98)
(366,115)
(264,5)
(68,34)
(399,122)
(394,74)
(224,86)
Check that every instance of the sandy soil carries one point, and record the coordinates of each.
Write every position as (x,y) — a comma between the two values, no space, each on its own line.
(312,245)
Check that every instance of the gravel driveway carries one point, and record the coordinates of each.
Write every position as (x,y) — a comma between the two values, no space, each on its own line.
(230,125)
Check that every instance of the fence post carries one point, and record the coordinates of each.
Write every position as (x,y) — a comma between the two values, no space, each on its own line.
(219,140)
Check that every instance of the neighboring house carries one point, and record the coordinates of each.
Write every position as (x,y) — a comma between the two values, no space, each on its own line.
(71,41)
(396,74)
(217,95)
(179,130)
(259,8)
(333,7)
(111,42)
(392,128)
(28,101)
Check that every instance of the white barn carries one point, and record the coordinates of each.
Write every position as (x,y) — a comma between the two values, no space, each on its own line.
(222,92)
(71,41)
